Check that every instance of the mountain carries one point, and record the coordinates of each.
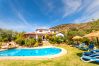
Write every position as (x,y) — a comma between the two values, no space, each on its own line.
(86,27)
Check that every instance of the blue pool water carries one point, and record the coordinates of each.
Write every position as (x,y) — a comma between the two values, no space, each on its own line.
(30,52)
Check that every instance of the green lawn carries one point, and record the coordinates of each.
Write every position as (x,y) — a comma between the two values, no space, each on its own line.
(72,58)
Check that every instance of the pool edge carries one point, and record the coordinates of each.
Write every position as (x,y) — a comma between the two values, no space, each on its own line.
(63,52)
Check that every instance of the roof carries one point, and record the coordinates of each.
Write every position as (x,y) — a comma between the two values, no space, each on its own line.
(33,33)
(42,29)
(30,33)
(45,29)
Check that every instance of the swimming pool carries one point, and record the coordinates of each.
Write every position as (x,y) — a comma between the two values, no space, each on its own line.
(38,53)
(31,52)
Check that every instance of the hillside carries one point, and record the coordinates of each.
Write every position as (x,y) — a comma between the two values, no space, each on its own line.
(89,26)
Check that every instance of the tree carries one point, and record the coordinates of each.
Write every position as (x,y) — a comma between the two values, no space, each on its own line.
(20,41)
(6,35)
(30,42)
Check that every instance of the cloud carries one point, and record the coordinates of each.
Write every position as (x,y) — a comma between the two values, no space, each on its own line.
(88,9)
(54,11)
(91,12)
(21,24)
(19,14)
(22,18)
(21,27)
(49,5)
(45,7)
(71,6)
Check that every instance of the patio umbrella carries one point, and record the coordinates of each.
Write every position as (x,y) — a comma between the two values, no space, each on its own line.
(60,34)
(93,35)
(77,37)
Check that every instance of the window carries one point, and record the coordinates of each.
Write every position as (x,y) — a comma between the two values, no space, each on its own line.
(40,30)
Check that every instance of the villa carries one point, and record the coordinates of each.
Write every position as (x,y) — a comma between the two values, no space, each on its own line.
(41,33)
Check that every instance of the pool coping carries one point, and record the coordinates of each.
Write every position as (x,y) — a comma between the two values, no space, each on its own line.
(63,52)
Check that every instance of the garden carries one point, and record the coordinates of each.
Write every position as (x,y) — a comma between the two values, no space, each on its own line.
(72,58)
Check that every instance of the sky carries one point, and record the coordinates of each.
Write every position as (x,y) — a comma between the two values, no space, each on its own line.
(28,15)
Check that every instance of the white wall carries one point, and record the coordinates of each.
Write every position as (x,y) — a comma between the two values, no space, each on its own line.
(46,31)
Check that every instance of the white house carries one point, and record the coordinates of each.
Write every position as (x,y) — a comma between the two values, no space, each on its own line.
(41,33)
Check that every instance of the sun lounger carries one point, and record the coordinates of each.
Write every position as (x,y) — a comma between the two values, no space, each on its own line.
(83,46)
(92,56)
(91,47)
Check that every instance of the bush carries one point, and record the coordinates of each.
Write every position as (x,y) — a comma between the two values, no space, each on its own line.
(85,40)
(5,39)
(27,42)
(39,40)
(57,40)
(0,39)
(30,42)
(0,44)
(52,40)
(36,44)
(20,41)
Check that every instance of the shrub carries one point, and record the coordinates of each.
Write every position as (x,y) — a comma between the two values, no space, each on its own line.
(57,40)
(0,44)
(86,40)
(5,39)
(30,42)
(36,44)
(39,40)
(27,42)
(20,41)
(52,40)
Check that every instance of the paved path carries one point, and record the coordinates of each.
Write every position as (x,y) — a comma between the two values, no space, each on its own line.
(46,43)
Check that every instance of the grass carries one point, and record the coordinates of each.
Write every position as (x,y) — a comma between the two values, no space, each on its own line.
(72,58)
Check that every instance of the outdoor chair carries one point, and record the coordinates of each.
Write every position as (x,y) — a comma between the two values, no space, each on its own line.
(92,56)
